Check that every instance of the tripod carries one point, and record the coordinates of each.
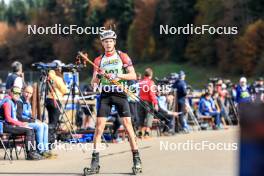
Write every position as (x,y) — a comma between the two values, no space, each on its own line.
(72,90)
(46,86)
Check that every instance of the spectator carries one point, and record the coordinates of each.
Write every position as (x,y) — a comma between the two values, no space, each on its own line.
(166,115)
(16,78)
(24,114)
(13,126)
(181,88)
(56,92)
(210,88)
(243,92)
(207,107)
(147,94)
(221,90)
(258,90)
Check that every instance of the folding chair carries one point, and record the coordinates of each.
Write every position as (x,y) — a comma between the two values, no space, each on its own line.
(203,118)
(2,142)
(14,141)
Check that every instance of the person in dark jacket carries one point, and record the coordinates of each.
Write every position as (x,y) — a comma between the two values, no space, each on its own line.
(15,79)
(181,88)
(243,92)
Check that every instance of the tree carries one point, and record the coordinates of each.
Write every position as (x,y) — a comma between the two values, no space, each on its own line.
(202,49)
(172,13)
(2,10)
(250,50)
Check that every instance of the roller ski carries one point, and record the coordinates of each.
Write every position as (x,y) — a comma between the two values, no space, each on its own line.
(137,168)
(95,168)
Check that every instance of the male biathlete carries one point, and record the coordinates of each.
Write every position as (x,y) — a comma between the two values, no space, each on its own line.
(118,67)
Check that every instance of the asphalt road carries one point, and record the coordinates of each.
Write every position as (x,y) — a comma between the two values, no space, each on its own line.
(160,156)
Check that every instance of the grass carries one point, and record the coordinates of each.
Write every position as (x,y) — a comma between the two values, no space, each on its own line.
(196,76)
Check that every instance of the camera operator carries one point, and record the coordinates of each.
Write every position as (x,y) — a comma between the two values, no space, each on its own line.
(16,78)
(55,94)
(181,87)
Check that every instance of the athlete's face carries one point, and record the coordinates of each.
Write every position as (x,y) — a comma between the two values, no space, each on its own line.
(109,45)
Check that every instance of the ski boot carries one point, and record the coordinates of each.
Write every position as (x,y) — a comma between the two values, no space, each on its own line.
(137,168)
(94,169)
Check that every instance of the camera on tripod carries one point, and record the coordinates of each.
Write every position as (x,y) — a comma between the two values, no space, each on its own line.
(56,65)
(45,66)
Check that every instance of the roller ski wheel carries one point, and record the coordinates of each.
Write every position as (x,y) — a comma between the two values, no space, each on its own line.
(91,171)
(137,170)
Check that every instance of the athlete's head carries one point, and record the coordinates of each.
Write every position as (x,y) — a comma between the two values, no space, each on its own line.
(108,39)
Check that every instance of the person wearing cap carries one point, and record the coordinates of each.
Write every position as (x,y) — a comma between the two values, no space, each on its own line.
(243,91)
(57,89)
(15,79)
(12,125)
(118,67)
(181,89)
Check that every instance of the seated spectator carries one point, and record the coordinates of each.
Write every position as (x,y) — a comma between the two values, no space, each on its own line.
(13,126)
(165,114)
(210,88)
(207,107)
(24,114)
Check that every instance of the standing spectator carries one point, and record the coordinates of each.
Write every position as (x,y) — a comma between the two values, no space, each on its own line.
(55,94)
(243,92)
(181,88)
(147,94)
(258,89)
(16,78)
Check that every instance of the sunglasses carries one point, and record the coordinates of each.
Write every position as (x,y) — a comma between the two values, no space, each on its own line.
(16,93)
